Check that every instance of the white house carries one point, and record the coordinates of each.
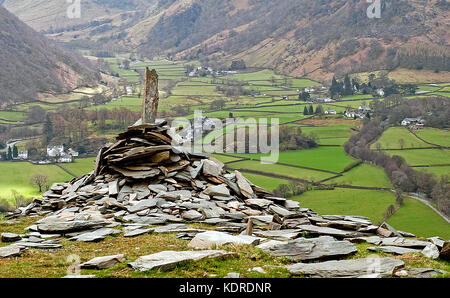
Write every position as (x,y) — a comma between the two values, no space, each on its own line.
(53,151)
(309,89)
(330,112)
(364,109)
(410,121)
(129,90)
(65,158)
(380,92)
(23,155)
(72,152)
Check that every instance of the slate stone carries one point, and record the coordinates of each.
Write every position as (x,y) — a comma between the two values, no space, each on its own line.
(210,168)
(393,249)
(266,245)
(281,235)
(10,237)
(368,267)
(167,260)
(280,211)
(95,236)
(103,262)
(10,251)
(157,188)
(40,245)
(142,205)
(424,272)
(244,186)
(431,251)
(310,229)
(217,190)
(137,232)
(438,241)
(403,242)
(70,226)
(324,247)
(261,220)
(210,239)
(191,215)
(261,203)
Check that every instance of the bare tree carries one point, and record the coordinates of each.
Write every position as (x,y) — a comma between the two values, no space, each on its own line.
(39,180)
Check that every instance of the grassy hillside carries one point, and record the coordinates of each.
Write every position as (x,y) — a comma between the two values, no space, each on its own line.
(32,64)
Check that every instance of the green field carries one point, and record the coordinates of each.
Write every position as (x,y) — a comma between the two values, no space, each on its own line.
(19,174)
(80,166)
(323,158)
(265,182)
(435,136)
(438,171)
(369,203)
(423,156)
(364,175)
(417,218)
(392,136)
(275,169)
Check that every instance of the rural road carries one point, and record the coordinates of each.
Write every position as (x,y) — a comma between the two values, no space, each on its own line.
(412,196)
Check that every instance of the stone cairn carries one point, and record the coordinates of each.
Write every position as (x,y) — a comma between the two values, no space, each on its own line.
(146,178)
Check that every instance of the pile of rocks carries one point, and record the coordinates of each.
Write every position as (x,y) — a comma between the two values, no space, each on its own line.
(145,179)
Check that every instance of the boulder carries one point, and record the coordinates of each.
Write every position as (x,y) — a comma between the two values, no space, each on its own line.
(431,251)
(373,267)
(103,262)
(167,260)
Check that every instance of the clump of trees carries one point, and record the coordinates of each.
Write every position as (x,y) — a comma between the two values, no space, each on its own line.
(290,190)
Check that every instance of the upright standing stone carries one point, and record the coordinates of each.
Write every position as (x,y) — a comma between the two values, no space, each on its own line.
(151,97)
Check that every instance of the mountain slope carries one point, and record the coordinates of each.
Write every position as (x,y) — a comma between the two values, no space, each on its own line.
(30,63)
(299,37)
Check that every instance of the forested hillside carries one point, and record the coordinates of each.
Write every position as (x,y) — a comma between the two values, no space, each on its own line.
(30,63)
(297,37)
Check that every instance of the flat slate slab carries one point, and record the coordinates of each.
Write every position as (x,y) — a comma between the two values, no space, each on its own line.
(368,267)
(10,237)
(103,262)
(167,260)
(10,251)
(40,245)
(95,236)
(210,239)
(281,235)
(404,242)
(137,232)
(324,247)
(325,231)
(393,249)
(69,226)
